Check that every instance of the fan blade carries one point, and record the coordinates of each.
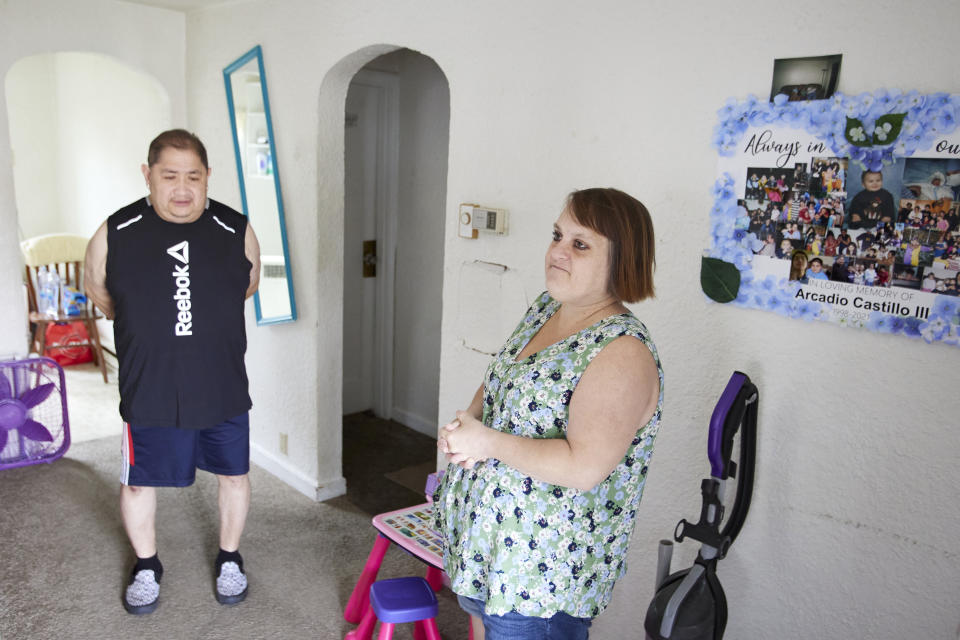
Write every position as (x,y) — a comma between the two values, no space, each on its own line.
(5,391)
(33,397)
(35,431)
(3,438)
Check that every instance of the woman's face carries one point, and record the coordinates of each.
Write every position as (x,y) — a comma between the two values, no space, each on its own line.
(577,263)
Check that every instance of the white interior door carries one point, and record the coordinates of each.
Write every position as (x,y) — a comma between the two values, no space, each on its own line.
(369,212)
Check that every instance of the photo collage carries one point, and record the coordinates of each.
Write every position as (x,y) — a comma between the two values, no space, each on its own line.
(834,220)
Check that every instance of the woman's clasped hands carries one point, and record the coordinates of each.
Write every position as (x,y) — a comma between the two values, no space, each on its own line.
(464,440)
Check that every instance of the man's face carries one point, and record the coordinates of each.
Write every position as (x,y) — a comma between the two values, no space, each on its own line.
(178,185)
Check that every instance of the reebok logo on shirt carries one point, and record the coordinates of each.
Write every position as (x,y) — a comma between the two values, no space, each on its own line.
(181,273)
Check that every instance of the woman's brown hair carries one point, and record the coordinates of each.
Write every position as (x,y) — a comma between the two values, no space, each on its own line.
(626,223)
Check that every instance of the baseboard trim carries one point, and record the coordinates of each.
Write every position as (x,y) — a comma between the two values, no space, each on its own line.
(333,489)
(294,477)
(415,422)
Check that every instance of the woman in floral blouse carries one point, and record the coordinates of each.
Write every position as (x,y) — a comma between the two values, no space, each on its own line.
(549,460)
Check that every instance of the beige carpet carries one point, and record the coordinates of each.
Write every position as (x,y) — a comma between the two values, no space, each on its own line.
(92,405)
(64,559)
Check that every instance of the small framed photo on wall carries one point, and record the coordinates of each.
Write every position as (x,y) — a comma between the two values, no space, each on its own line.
(802,79)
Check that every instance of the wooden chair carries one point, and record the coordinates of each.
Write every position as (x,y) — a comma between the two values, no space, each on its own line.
(63,254)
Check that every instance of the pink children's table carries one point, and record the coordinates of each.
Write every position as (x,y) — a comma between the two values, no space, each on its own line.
(412,530)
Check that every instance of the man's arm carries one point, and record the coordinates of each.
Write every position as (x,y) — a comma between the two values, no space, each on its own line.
(251,248)
(95,272)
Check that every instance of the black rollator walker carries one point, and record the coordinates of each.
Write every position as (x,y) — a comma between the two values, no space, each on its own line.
(690,604)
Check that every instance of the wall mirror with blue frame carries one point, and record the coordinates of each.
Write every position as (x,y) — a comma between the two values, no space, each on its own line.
(259,180)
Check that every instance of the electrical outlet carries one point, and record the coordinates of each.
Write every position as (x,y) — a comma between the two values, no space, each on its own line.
(283,443)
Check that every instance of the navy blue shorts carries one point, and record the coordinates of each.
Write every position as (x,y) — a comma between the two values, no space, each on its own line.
(170,457)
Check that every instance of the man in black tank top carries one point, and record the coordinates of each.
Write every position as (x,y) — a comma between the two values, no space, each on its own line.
(173,271)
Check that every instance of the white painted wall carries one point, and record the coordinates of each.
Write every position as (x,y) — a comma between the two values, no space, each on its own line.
(32,110)
(852,530)
(104,135)
(149,40)
(78,147)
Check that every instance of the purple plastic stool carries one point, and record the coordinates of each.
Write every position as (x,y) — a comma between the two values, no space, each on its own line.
(396,601)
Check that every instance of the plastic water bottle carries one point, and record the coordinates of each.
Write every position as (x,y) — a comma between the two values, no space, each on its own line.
(48,285)
(43,277)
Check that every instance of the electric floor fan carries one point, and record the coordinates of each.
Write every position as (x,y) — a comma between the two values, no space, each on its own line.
(33,412)
(690,604)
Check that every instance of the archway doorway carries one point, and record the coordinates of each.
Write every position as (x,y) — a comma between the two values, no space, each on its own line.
(396,139)
(78,148)
(77,152)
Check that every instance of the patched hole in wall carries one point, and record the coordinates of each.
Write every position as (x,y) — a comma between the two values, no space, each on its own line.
(489,298)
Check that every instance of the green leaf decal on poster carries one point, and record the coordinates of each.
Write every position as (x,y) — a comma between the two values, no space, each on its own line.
(888,128)
(719,280)
(855,134)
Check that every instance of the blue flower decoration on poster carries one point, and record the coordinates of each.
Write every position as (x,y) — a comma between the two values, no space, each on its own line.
(845,210)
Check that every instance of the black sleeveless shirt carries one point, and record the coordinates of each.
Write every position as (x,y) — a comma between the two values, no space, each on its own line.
(178,295)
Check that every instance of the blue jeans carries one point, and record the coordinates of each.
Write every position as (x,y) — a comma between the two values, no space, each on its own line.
(514,626)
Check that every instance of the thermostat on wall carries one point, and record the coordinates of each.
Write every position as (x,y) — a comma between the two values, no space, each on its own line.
(475,218)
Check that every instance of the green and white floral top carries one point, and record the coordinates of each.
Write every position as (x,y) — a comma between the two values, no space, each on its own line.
(527,546)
